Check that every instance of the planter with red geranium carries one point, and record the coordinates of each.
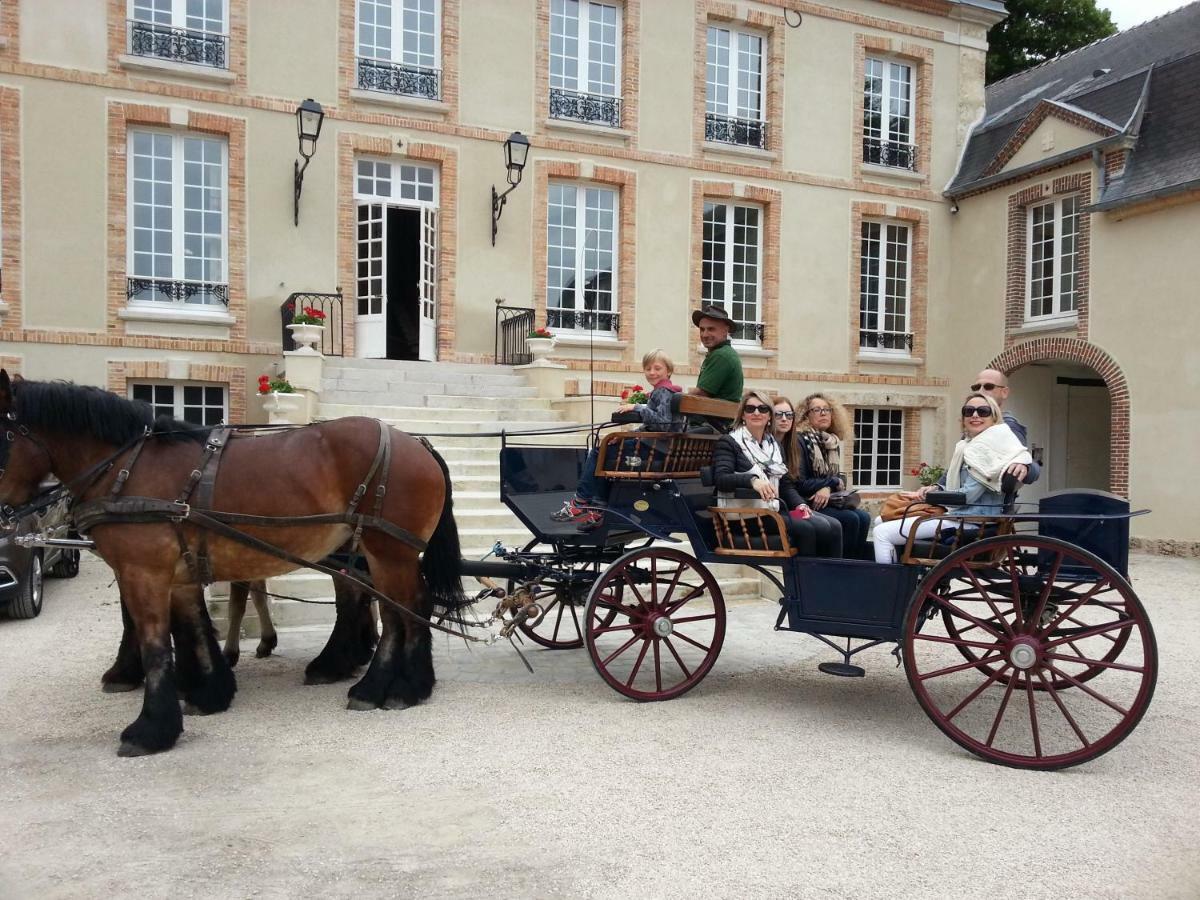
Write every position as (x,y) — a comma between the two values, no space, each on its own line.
(306,328)
(283,405)
(540,342)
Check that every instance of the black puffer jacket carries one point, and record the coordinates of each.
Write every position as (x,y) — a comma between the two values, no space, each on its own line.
(731,471)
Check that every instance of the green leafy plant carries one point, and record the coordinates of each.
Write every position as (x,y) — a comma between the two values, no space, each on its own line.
(927,474)
(541,333)
(310,316)
(277,384)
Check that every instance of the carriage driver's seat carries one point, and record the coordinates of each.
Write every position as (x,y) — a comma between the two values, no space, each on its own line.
(952,536)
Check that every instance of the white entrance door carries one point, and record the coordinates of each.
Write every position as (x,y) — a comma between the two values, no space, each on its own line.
(428,287)
(370,323)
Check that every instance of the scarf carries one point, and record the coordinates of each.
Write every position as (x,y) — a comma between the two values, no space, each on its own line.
(824,450)
(986,456)
(766,462)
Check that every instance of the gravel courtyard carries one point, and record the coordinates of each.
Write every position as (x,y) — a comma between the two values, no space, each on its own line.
(768,780)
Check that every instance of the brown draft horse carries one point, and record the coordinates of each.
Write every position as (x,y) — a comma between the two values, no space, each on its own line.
(73,432)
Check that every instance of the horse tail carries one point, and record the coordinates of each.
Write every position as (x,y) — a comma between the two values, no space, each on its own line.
(441,566)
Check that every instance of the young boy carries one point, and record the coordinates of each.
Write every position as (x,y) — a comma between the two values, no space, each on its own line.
(655,414)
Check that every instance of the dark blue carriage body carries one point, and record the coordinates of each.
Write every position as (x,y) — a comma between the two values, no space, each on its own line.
(833,597)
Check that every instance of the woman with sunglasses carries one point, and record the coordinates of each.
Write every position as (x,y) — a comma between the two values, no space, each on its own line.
(815,465)
(980,459)
(749,457)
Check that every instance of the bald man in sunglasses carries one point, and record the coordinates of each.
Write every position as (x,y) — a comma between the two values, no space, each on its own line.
(994,383)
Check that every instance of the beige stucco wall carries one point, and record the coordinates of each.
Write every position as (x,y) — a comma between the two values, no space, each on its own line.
(1052,137)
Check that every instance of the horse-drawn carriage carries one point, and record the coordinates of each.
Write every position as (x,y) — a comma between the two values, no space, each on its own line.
(1019,633)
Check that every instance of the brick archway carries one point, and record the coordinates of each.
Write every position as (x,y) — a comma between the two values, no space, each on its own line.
(1077,351)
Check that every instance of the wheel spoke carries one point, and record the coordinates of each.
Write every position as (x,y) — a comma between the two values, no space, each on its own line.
(637,665)
(625,646)
(1033,723)
(938,639)
(975,693)
(669,609)
(557,623)
(657,669)
(1040,607)
(973,664)
(697,645)
(1049,687)
(987,597)
(1091,632)
(954,610)
(702,618)
(678,661)
(1095,662)
(575,619)
(1107,637)
(1012,683)
(633,587)
(608,629)
(1075,604)
(671,587)
(1087,690)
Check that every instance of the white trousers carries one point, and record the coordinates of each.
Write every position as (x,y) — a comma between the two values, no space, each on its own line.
(888,536)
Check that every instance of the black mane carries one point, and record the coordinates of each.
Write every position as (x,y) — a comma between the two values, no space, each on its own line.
(70,408)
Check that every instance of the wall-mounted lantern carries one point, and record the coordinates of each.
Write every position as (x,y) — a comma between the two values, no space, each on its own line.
(516,152)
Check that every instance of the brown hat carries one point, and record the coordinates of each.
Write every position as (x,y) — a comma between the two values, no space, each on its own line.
(711,311)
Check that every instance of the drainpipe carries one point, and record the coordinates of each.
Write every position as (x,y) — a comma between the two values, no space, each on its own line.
(1098,159)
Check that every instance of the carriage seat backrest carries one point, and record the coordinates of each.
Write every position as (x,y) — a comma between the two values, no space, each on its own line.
(1107,538)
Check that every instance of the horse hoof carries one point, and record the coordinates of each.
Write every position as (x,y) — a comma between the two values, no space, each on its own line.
(191,709)
(320,678)
(118,687)
(232,658)
(359,705)
(129,750)
(263,651)
(396,703)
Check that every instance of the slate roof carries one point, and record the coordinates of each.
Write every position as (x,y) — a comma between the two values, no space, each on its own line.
(1146,94)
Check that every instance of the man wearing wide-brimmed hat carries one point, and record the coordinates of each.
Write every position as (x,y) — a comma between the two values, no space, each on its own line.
(721,372)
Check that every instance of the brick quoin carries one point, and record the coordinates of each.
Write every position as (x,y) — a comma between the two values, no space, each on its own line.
(1074,350)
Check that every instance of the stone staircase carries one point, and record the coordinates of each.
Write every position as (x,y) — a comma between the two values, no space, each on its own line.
(459,401)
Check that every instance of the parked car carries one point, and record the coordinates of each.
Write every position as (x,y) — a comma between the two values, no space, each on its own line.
(22,569)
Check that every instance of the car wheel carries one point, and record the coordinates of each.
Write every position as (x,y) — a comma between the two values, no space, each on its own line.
(67,565)
(28,602)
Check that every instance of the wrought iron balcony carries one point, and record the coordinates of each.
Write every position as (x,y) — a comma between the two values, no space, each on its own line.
(885,340)
(585,319)
(594,108)
(728,130)
(166,290)
(395,78)
(894,155)
(199,48)
(748,331)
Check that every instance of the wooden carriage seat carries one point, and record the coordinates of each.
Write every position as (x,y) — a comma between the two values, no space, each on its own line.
(745,531)
(961,530)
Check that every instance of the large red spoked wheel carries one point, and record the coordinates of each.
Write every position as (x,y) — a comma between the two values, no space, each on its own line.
(1061,659)
(654,624)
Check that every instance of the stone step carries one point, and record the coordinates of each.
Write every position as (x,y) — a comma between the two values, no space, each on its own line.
(448,380)
(416,395)
(538,429)
(481,487)
(483,419)
(352,363)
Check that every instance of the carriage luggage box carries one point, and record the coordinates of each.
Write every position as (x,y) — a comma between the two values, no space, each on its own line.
(850,598)
(1107,538)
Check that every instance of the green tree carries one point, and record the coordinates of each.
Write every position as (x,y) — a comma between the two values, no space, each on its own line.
(1038,30)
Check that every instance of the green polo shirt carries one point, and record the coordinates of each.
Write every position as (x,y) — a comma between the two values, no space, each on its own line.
(721,373)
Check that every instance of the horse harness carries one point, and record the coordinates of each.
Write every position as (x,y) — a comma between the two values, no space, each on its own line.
(194,506)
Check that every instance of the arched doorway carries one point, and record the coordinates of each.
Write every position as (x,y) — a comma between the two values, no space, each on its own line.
(1074,400)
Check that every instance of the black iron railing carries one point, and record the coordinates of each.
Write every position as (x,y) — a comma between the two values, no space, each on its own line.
(885,340)
(513,324)
(585,319)
(163,290)
(895,155)
(330,304)
(395,78)
(749,331)
(729,130)
(593,108)
(200,48)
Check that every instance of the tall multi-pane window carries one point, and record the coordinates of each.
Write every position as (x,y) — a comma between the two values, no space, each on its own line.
(399,47)
(200,404)
(878,447)
(581,258)
(1054,258)
(177,218)
(735,88)
(585,61)
(884,279)
(731,272)
(888,96)
(184,31)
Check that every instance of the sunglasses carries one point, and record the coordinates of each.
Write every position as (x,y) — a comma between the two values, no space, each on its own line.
(984,412)
(986,386)
(784,414)
(758,408)
(819,410)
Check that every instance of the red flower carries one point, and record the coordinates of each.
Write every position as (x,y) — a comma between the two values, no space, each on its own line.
(314,312)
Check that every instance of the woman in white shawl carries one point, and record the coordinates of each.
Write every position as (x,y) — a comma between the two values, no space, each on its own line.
(980,459)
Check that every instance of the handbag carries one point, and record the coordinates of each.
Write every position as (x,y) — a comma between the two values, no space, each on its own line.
(897,506)
(844,500)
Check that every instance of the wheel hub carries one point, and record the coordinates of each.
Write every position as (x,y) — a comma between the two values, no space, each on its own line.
(1023,654)
(662,627)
